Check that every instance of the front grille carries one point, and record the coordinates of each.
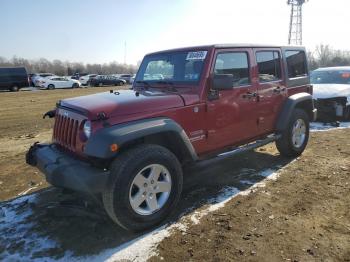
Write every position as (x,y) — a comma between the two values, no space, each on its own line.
(65,131)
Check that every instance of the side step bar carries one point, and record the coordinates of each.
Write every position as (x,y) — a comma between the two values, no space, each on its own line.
(251,146)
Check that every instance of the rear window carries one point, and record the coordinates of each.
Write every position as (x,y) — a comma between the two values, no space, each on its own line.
(296,63)
(269,65)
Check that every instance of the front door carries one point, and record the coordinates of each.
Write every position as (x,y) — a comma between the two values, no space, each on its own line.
(231,114)
(271,88)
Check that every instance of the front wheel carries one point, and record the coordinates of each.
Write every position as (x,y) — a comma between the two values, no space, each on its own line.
(144,187)
(75,85)
(51,87)
(295,137)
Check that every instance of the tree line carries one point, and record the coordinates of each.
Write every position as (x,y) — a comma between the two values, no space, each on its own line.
(59,67)
(322,56)
(326,56)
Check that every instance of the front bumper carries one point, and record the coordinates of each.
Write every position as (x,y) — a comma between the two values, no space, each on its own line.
(62,170)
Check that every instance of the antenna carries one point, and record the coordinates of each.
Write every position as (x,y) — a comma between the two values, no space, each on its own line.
(295,36)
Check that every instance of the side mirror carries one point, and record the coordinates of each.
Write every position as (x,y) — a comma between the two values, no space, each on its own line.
(223,82)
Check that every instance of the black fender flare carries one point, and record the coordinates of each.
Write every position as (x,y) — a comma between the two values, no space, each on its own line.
(300,100)
(99,143)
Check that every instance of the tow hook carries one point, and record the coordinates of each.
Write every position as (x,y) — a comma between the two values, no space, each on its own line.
(30,157)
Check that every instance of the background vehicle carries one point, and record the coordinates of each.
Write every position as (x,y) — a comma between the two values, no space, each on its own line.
(37,78)
(85,79)
(332,93)
(13,78)
(126,77)
(59,82)
(130,146)
(105,80)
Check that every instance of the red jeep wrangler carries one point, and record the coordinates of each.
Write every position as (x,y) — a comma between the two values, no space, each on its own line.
(186,105)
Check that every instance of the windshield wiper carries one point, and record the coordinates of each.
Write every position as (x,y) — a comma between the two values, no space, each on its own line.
(170,85)
(147,85)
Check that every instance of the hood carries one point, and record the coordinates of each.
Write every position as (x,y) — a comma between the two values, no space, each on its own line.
(122,102)
(331,90)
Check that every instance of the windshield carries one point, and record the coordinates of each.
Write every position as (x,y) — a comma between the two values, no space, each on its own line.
(330,77)
(184,67)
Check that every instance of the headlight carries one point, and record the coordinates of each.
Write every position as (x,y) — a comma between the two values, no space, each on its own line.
(87,129)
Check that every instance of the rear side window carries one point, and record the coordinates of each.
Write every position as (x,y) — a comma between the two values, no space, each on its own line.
(296,63)
(269,65)
(235,63)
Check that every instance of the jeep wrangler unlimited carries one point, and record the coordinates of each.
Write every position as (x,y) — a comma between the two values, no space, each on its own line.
(185,105)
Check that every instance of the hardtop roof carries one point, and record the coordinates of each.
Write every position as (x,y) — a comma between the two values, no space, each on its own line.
(238,45)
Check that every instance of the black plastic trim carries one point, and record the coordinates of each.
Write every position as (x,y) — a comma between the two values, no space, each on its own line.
(289,106)
(99,143)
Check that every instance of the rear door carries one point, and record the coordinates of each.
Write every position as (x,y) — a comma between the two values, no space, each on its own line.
(271,87)
(231,115)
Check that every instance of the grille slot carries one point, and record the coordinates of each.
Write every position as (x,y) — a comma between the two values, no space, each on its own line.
(65,131)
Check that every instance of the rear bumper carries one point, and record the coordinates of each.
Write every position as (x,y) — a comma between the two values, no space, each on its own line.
(62,170)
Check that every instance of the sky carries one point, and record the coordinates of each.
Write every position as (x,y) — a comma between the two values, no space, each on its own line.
(102,31)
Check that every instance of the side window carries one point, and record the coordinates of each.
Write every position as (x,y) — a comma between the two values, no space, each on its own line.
(296,63)
(235,63)
(269,65)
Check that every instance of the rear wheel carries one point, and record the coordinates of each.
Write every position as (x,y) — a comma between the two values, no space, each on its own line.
(295,137)
(145,186)
(14,89)
(50,87)
(100,84)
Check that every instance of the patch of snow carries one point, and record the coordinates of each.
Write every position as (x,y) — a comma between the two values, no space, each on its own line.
(319,127)
(14,229)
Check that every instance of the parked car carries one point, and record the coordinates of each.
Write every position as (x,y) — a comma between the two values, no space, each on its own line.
(85,79)
(130,146)
(105,80)
(37,78)
(59,82)
(13,78)
(126,77)
(332,93)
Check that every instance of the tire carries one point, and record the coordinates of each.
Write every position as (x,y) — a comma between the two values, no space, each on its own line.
(50,87)
(75,85)
(295,137)
(117,197)
(121,84)
(100,84)
(14,89)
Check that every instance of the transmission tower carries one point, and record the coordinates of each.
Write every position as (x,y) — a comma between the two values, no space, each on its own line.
(295,36)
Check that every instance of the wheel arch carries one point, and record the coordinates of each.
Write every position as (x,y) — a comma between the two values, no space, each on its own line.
(302,101)
(160,131)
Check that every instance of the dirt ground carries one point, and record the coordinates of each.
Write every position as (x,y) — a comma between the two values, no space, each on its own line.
(302,216)
(21,124)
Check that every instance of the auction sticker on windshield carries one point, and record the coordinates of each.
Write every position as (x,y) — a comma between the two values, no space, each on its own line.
(198,55)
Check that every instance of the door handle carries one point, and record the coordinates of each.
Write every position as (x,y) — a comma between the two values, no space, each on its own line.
(278,90)
(249,95)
